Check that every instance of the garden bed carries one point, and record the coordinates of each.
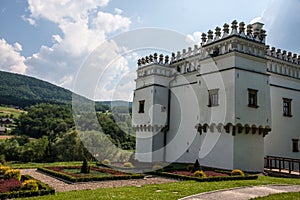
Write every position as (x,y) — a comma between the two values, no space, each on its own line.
(11,188)
(72,174)
(211,176)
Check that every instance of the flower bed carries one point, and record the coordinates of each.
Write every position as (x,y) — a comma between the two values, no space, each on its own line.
(208,173)
(11,188)
(211,176)
(71,174)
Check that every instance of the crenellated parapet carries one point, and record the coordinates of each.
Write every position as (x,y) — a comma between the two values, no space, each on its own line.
(248,39)
(254,32)
(153,59)
(283,62)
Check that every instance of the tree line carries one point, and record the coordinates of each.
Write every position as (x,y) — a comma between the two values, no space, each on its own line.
(47,133)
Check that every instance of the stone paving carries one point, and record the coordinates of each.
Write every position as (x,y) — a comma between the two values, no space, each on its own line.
(61,186)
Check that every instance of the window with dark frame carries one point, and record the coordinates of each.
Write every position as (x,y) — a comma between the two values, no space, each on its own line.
(252,98)
(295,145)
(142,106)
(213,97)
(287,104)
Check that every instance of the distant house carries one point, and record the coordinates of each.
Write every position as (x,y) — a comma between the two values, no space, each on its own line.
(6,121)
(2,130)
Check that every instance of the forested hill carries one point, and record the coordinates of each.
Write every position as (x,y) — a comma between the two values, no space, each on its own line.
(20,90)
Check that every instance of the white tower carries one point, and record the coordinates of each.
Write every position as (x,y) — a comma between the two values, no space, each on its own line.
(150,107)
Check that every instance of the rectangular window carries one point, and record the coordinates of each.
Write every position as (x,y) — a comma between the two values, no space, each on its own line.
(213,97)
(287,111)
(252,98)
(141,106)
(295,145)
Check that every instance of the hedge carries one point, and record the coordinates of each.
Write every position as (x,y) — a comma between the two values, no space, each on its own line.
(73,179)
(208,179)
(44,189)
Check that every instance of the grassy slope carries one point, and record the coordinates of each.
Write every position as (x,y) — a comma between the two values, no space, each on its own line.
(7,111)
(164,191)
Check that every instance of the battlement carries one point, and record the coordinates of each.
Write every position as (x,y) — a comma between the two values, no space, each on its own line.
(283,62)
(254,32)
(161,60)
(283,55)
(251,42)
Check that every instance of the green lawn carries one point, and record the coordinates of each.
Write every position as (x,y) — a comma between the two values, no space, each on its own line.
(281,196)
(7,111)
(164,191)
(92,172)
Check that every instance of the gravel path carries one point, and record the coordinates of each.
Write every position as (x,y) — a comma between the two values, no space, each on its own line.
(244,193)
(61,186)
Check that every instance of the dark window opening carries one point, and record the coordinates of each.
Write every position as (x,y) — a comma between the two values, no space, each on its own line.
(295,145)
(142,106)
(213,97)
(252,98)
(287,111)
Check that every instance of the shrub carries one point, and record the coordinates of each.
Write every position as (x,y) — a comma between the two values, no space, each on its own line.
(196,167)
(9,185)
(85,168)
(30,185)
(128,165)
(2,160)
(12,173)
(200,173)
(157,167)
(3,169)
(189,168)
(237,172)
(106,162)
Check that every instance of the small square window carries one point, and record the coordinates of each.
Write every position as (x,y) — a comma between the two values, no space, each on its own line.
(142,106)
(213,97)
(287,104)
(295,145)
(252,98)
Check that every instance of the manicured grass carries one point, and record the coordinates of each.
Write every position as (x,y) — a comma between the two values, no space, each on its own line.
(164,191)
(282,196)
(55,164)
(92,172)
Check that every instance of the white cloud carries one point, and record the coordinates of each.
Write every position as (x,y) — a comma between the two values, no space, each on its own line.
(10,58)
(194,38)
(110,23)
(56,38)
(29,20)
(118,11)
(17,46)
(282,19)
(84,27)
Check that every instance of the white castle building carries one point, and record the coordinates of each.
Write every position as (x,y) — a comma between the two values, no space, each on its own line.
(228,103)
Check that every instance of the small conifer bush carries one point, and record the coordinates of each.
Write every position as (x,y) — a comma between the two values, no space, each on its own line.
(85,168)
(237,172)
(196,166)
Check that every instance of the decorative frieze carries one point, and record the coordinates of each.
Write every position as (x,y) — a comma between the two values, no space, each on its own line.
(233,129)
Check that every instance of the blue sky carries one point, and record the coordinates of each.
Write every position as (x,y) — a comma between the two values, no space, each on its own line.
(50,39)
